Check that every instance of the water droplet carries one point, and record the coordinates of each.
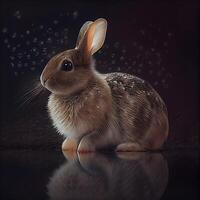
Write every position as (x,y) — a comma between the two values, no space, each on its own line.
(162,68)
(124,51)
(19,65)
(113,62)
(134,62)
(6,41)
(49,40)
(14,35)
(156,83)
(166,85)
(20,55)
(140,65)
(27,42)
(65,37)
(14,49)
(75,14)
(138,56)
(165,44)
(17,14)
(140,47)
(121,58)
(158,54)
(150,72)
(142,32)
(55,22)
(61,41)
(16,73)
(65,30)
(35,40)
(116,45)
(169,34)
(4,30)
(56,34)
(135,44)
(159,73)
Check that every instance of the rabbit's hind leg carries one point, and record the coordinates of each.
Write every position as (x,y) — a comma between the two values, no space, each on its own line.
(128,147)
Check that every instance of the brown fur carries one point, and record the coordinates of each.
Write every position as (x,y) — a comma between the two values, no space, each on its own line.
(102,111)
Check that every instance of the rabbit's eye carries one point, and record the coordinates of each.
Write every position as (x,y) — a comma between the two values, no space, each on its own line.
(67,65)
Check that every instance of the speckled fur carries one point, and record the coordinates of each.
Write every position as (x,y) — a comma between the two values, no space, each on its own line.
(141,113)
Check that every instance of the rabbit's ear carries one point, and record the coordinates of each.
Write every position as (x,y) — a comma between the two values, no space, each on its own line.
(82,32)
(94,37)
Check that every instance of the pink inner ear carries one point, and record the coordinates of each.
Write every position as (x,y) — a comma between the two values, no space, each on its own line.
(90,37)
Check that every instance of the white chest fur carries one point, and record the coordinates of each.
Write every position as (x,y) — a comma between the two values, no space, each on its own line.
(63,117)
(75,118)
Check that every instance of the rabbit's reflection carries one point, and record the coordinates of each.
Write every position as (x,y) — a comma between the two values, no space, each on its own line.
(98,176)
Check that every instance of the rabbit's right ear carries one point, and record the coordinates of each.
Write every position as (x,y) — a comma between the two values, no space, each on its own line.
(94,37)
(82,32)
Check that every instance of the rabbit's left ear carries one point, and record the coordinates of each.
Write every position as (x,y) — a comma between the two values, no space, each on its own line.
(94,37)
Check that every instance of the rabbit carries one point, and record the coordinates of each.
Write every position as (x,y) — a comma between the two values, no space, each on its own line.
(93,111)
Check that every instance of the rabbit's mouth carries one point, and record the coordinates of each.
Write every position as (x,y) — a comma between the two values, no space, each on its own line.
(54,87)
(50,84)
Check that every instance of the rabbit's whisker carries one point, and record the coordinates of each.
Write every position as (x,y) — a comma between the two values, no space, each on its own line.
(30,95)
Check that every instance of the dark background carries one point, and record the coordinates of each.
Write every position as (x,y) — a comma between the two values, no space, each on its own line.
(155,40)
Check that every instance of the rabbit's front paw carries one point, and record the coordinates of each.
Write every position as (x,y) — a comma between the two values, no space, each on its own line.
(70,144)
(86,146)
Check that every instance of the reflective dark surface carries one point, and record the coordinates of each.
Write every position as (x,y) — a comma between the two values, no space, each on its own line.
(27,174)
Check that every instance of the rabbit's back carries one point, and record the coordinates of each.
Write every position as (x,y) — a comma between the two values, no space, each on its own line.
(140,111)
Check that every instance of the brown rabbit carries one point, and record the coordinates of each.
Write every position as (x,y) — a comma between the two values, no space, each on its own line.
(101,111)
